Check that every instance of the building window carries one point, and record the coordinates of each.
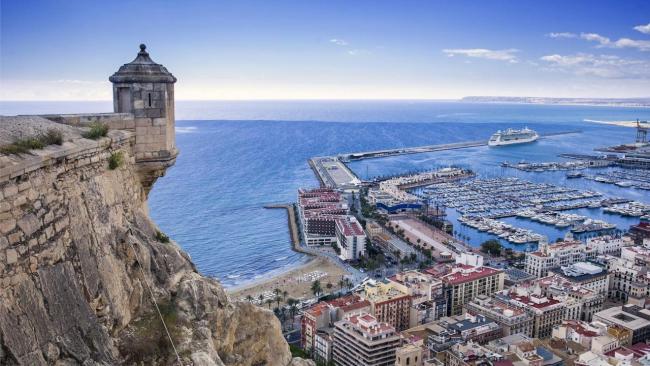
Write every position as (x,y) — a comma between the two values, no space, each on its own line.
(149,95)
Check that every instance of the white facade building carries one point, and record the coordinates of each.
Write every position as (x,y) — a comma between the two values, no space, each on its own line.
(350,238)
(549,256)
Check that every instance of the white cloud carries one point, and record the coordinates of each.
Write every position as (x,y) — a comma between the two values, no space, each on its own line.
(339,42)
(562,35)
(643,28)
(500,55)
(605,66)
(358,52)
(621,43)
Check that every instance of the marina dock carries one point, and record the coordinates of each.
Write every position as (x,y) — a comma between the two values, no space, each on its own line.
(332,172)
(428,148)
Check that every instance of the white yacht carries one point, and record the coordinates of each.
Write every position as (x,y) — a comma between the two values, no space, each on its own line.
(512,136)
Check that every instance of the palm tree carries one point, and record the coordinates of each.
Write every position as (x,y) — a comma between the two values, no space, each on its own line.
(249,298)
(277,300)
(269,302)
(261,299)
(316,288)
(277,291)
(329,286)
(293,309)
(284,295)
(341,283)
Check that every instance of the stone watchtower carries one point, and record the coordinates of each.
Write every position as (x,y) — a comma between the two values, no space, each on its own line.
(146,90)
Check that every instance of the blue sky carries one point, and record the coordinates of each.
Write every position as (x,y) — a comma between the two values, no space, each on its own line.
(65,50)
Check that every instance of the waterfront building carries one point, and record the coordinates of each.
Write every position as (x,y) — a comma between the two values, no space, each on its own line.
(388,303)
(549,256)
(362,340)
(640,233)
(511,319)
(464,283)
(350,238)
(318,210)
(630,317)
(608,244)
(323,314)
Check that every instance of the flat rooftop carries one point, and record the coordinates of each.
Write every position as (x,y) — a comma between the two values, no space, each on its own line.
(616,315)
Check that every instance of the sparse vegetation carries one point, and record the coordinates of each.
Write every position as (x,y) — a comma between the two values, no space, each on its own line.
(116,160)
(146,340)
(96,131)
(22,146)
(161,237)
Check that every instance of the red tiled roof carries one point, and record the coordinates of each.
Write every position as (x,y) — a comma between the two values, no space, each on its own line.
(349,227)
(464,273)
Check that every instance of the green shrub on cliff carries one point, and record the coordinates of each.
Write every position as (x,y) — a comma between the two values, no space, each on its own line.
(96,131)
(162,237)
(116,160)
(22,146)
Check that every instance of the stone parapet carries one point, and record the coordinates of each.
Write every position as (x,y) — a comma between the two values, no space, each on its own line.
(72,152)
(114,121)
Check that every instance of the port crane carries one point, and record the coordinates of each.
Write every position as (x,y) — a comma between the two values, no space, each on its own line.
(642,128)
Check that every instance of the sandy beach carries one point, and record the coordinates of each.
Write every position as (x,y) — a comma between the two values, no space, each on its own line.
(296,282)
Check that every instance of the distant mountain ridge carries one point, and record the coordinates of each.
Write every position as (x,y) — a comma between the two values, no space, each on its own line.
(607,102)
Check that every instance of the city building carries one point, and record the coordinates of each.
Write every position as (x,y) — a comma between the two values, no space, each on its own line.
(586,275)
(475,328)
(578,331)
(556,255)
(470,354)
(607,244)
(629,275)
(428,300)
(464,283)
(546,311)
(350,238)
(409,355)
(322,315)
(318,210)
(512,319)
(630,317)
(640,232)
(361,340)
(388,303)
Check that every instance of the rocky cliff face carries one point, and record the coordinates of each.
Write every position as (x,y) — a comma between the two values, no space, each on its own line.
(80,262)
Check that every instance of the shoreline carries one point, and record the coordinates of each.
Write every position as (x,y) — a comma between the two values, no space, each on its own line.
(295,282)
(270,276)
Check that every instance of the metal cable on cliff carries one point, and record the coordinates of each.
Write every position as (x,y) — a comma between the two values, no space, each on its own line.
(144,278)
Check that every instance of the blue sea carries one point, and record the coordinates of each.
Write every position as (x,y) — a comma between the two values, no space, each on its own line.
(238,156)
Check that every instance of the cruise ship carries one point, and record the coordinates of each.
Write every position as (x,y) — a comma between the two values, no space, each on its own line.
(512,136)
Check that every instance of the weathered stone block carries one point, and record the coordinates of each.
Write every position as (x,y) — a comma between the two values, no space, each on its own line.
(7,225)
(10,190)
(12,256)
(29,224)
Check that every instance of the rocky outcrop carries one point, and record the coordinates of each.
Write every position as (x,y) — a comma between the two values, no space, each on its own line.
(81,262)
